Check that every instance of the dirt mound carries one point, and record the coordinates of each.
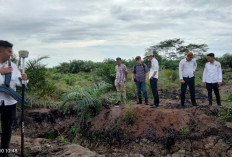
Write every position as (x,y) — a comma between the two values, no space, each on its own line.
(165,131)
(171,130)
(196,119)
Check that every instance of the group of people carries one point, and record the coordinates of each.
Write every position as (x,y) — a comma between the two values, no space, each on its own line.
(212,78)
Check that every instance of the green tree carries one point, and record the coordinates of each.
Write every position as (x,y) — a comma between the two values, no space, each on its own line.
(174,49)
(226,60)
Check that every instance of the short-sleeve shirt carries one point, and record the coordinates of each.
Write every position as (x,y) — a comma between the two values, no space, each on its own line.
(140,71)
(120,73)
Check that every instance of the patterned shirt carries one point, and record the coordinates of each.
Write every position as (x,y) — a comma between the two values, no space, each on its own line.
(140,71)
(120,73)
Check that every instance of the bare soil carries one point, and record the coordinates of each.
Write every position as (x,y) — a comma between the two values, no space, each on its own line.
(165,131)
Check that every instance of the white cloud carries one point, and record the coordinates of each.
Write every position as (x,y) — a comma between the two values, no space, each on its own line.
(107,28)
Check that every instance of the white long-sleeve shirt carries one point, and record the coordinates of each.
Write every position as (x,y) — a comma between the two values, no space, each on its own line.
(187,68)
(212,72)
(15,75)
(154,68)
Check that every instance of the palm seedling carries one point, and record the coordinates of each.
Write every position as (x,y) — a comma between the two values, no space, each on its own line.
(86,99)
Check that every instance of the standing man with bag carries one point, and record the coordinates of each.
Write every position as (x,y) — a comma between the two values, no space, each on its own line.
(187,67)
(212,78)
(7,103)
(140,76)
(153,76)
(120,80)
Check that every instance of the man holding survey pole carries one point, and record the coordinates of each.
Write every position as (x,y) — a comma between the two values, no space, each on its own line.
(10,77)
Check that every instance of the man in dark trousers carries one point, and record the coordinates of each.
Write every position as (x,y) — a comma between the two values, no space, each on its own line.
(7,103)
(140,76)
(153,76)
(212,78)
(187,68)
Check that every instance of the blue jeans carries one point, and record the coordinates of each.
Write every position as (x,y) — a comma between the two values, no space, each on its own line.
(141,86)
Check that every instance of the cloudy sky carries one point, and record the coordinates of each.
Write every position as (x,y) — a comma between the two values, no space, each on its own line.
(99,29)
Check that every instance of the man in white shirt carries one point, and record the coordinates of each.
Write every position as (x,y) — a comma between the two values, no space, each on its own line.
(7,103)
(212,78)
(153,76)
(187,68)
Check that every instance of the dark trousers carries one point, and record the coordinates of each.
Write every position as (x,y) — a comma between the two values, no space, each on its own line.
(154,89)
(141,86)
(8,115)
(191,83)
(213,87)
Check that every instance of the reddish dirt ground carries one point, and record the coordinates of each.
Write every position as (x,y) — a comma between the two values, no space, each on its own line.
(165,131)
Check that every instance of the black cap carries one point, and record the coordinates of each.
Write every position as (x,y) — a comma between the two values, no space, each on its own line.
(118,59)
(137,58)
(211,55)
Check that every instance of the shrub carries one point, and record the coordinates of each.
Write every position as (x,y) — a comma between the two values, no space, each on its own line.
(226,60)
(202,60)
(229,98)
(172,75)
(86,99)
(225,114)
(39,78)
(130,116)
(170,64)
(76,66)
(107,72)
(131,90)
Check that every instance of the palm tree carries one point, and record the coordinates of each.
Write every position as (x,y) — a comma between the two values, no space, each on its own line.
(86,99)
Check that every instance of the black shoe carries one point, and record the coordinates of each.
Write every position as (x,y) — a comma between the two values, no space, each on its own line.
(194,104)
(154,106)
(140,101)
(181,106)
(146,101)
(107,106)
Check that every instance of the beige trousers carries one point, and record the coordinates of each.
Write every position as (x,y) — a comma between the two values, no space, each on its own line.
(121,86)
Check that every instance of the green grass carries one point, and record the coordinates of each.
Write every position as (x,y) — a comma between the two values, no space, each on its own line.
(184,131)
(130,116)
(59,83)
(51,135)
(225,113)
(28,147)
(229,97)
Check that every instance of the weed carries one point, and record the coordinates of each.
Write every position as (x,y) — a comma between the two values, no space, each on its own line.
(130,116)
(184,131)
